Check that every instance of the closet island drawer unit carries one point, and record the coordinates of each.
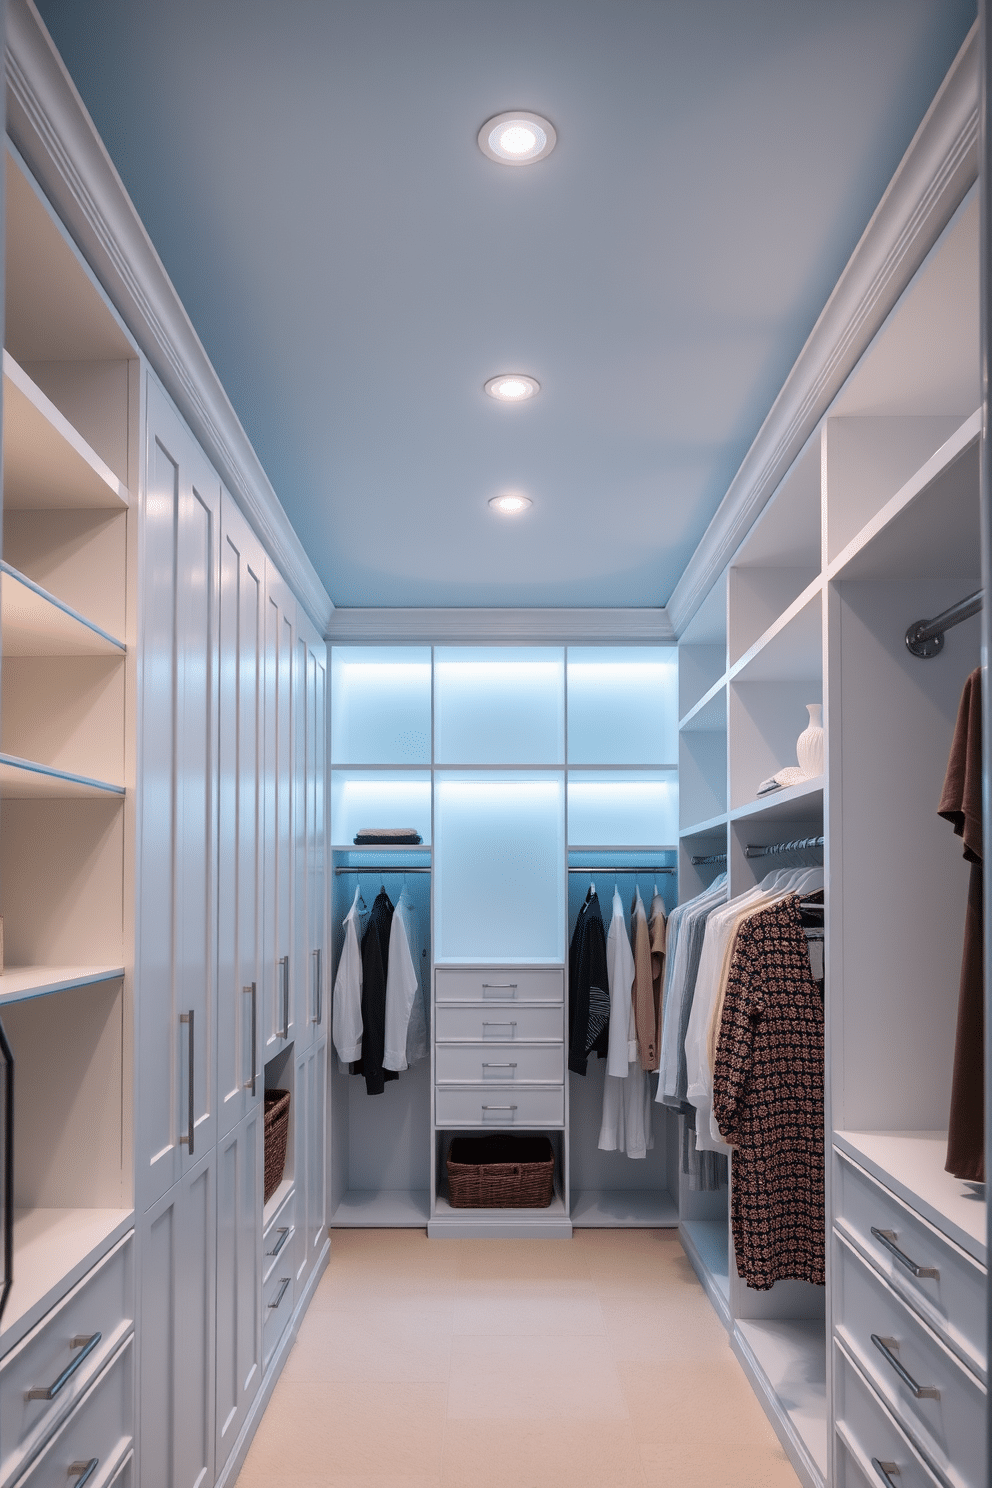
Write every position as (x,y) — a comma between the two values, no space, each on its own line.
(499,1107)
(522,1064)
(48,1372)
(97,1435)
(938,1401)
(935,1276)
(498,984)
(476,1025)
(870,1444)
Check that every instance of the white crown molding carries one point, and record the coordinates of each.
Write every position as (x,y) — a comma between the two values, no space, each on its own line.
(493,626)
(933,177)
(48,123)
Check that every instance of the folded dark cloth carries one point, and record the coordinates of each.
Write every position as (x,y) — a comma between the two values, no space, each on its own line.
(387,836)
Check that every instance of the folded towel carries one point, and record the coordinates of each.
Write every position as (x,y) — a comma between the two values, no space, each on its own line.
(387,836)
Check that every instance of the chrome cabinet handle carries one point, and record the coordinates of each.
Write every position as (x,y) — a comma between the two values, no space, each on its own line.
(252,992)
(888,1239)
(486,1066)
(499,1109)
(887,1471)
(281,1292)
(284,966)
(918,1392)
(7,1055)
(488,987)
(85,1343)
(83,1471)
(318,1000)
(190,1104)
(283,1237)
(497,1025)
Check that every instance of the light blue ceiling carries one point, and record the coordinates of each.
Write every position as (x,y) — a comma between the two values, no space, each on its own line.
(356,268)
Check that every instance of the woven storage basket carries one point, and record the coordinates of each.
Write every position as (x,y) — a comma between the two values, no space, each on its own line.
(501,1172)
(276,1137)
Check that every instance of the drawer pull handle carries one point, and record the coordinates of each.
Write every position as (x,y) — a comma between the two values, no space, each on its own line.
(918,1392)
(83,1471)
(490,987)
(486,1066)
(281,1292)
(887,1471)
(511,1024)
(888,1239)
(283,1237)
(85,1343)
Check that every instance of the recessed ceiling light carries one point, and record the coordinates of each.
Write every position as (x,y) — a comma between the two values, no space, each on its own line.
(517,138)
(510,503)
(512,387)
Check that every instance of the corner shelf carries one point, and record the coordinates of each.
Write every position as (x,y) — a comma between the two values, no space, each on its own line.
(46,463)
(20,983)
(22,779)
(35,623)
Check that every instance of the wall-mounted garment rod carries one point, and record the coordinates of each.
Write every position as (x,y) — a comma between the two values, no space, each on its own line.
(595,868)
(382,869)
(925,638)
(802,844)
(713,858)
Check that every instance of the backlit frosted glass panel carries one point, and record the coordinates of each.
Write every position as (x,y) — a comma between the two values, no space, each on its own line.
(622,705)
(499,705)
(623,811)
(381,705)
(361,799)
(499,884)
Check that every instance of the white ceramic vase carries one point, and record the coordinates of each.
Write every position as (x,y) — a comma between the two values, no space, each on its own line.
(809,745)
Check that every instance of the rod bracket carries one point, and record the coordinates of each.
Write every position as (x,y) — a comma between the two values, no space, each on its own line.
(918,643)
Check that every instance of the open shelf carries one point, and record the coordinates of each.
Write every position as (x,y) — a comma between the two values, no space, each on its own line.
(46,462)
(629,1208)
(35,623)
(707,1244)
(787,1363)
(911,1164)
(53,1248)
(387,1209)
(22,779)
(712,825)
(795,802)
(790,650)
(19,983)
(492,1224)
(710,713)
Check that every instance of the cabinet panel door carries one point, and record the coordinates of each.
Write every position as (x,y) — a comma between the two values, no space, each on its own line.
(239,1276)
(278,971)
(242,614)
(304,1121)
(316,1150)
(176,1087)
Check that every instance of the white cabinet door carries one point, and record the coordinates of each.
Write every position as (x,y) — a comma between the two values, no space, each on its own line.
(239,1277)
(175,1089)
(176,1334)
(279,1011)
(311,1084)
(239,884)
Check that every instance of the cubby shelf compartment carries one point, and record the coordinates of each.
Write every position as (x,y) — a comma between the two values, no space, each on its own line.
(707,1244)
(386,1209)
(20,983)
(704,828)
(53,1249)
(627,1208)
(25,780)
(710,713)
(795,803)
(786,1362)
(911,1164)
(35,623)
(790,649)
(46,462)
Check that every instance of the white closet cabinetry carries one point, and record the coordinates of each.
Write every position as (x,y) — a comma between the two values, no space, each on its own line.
(280,975)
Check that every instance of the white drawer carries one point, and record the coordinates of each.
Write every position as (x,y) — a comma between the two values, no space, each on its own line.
(939,1402)
(952,1301)
(277,1239)
(488,1025)
(100,1430)
(63,1354)
(277,1304)
(500,1107)
(869,1442)
(499,984)
(522,1063)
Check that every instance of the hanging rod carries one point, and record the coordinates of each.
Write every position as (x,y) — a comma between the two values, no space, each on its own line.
(595,868)
(802,844)
(713,858)
(925,638)
(382,869)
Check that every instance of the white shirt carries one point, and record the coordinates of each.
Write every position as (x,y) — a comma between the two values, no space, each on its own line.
(626,1121)
(346,1018)
(402,986)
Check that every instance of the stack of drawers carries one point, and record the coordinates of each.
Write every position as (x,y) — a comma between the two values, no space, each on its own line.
(67,1389)
(909,1344)
(499,1047)
(278,1250)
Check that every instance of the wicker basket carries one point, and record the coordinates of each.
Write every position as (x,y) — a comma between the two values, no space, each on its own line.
(276,1137)
(501,1172)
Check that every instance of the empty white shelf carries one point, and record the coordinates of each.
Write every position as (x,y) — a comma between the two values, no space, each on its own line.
(47,464)
(18,983)
(35,623)
(387,1209)
(787,1363)
(26,780)
(493,1224)
(632,1208)
(796,803)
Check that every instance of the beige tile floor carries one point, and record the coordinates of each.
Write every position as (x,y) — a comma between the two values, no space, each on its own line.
(512,1364)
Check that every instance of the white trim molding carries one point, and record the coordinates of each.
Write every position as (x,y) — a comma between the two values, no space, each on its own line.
(621,627)
(933,178)
(48,123)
